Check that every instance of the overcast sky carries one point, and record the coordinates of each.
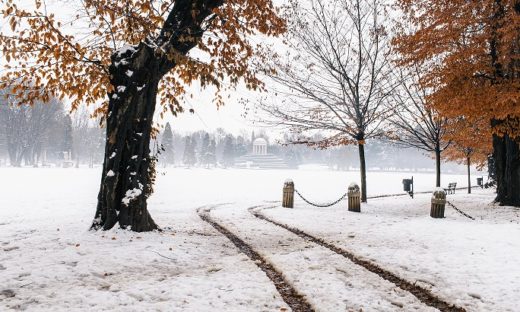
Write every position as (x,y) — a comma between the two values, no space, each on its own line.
(207,117)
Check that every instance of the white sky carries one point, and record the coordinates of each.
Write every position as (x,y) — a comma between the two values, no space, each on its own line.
(232,117)
(207,117)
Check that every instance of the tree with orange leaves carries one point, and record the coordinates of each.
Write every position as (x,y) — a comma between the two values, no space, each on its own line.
(127,54)
(468,146)
(472,49)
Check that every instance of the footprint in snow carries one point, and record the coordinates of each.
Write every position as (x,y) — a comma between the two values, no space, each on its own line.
(70,263)
(474,295)
(7,293)
(11,248)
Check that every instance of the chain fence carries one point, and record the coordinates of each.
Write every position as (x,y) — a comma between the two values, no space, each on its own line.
(373,197)
(459,211)
(320,205)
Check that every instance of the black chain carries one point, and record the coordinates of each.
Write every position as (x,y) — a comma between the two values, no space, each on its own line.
(460,211)
(345,195)
(389,195)
(321,205)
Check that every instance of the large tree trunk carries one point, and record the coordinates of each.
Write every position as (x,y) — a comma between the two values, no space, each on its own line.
(505,148)
(437,167)
(506,154)
(363,172)
(468,163)
(129,169)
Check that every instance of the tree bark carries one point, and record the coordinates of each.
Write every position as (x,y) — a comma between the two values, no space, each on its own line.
(506,154)
(468,162)
(363,171)
(438,166)
(128,169)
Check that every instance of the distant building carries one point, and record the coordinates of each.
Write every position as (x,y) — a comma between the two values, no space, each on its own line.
(260,146)
(259,158)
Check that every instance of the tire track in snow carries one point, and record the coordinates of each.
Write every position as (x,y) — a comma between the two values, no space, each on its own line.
(293,299)
(424,295)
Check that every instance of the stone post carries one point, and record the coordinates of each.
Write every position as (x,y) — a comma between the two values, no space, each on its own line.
(288,194)
(354,198)
(438,203)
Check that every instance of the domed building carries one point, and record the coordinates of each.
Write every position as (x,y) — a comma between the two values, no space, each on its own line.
(259,158)
(260,146)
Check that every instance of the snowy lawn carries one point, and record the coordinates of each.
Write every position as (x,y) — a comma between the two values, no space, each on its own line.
(327,280)
(50,261)
(473,264)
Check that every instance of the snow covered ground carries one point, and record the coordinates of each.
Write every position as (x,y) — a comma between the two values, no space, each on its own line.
(328,282)
(473,264)
(50,261)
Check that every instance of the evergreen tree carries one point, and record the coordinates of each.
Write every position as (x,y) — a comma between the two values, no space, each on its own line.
(167,145)
(204,148)
(220,138)
(293,158)
(210,157)
(189,158)
(68,141)
(196,137)
(241,147)
(228,155)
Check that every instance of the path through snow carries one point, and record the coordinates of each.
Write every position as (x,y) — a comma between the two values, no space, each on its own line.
(327,280)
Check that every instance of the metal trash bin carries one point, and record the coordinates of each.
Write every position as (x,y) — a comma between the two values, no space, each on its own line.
(407,185)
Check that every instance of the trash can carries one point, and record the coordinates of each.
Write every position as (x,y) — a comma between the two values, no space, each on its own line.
(407,185)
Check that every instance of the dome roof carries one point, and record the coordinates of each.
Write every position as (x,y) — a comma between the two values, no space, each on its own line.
(260,141)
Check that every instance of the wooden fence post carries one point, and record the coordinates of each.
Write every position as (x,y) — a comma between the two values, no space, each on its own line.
(288,194)
(354,198)
(438,203)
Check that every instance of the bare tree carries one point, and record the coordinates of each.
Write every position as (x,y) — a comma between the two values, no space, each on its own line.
(26,127)
(80,127)
(88,139)
(414,122)
(334,79)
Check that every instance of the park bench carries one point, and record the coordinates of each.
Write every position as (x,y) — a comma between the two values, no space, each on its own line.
(451,188)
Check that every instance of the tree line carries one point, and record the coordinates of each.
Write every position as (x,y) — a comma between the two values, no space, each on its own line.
(423,81)
(29,132)
(218,148)
(46,134)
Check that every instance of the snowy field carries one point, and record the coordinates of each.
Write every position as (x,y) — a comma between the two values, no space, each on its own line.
(49,261)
